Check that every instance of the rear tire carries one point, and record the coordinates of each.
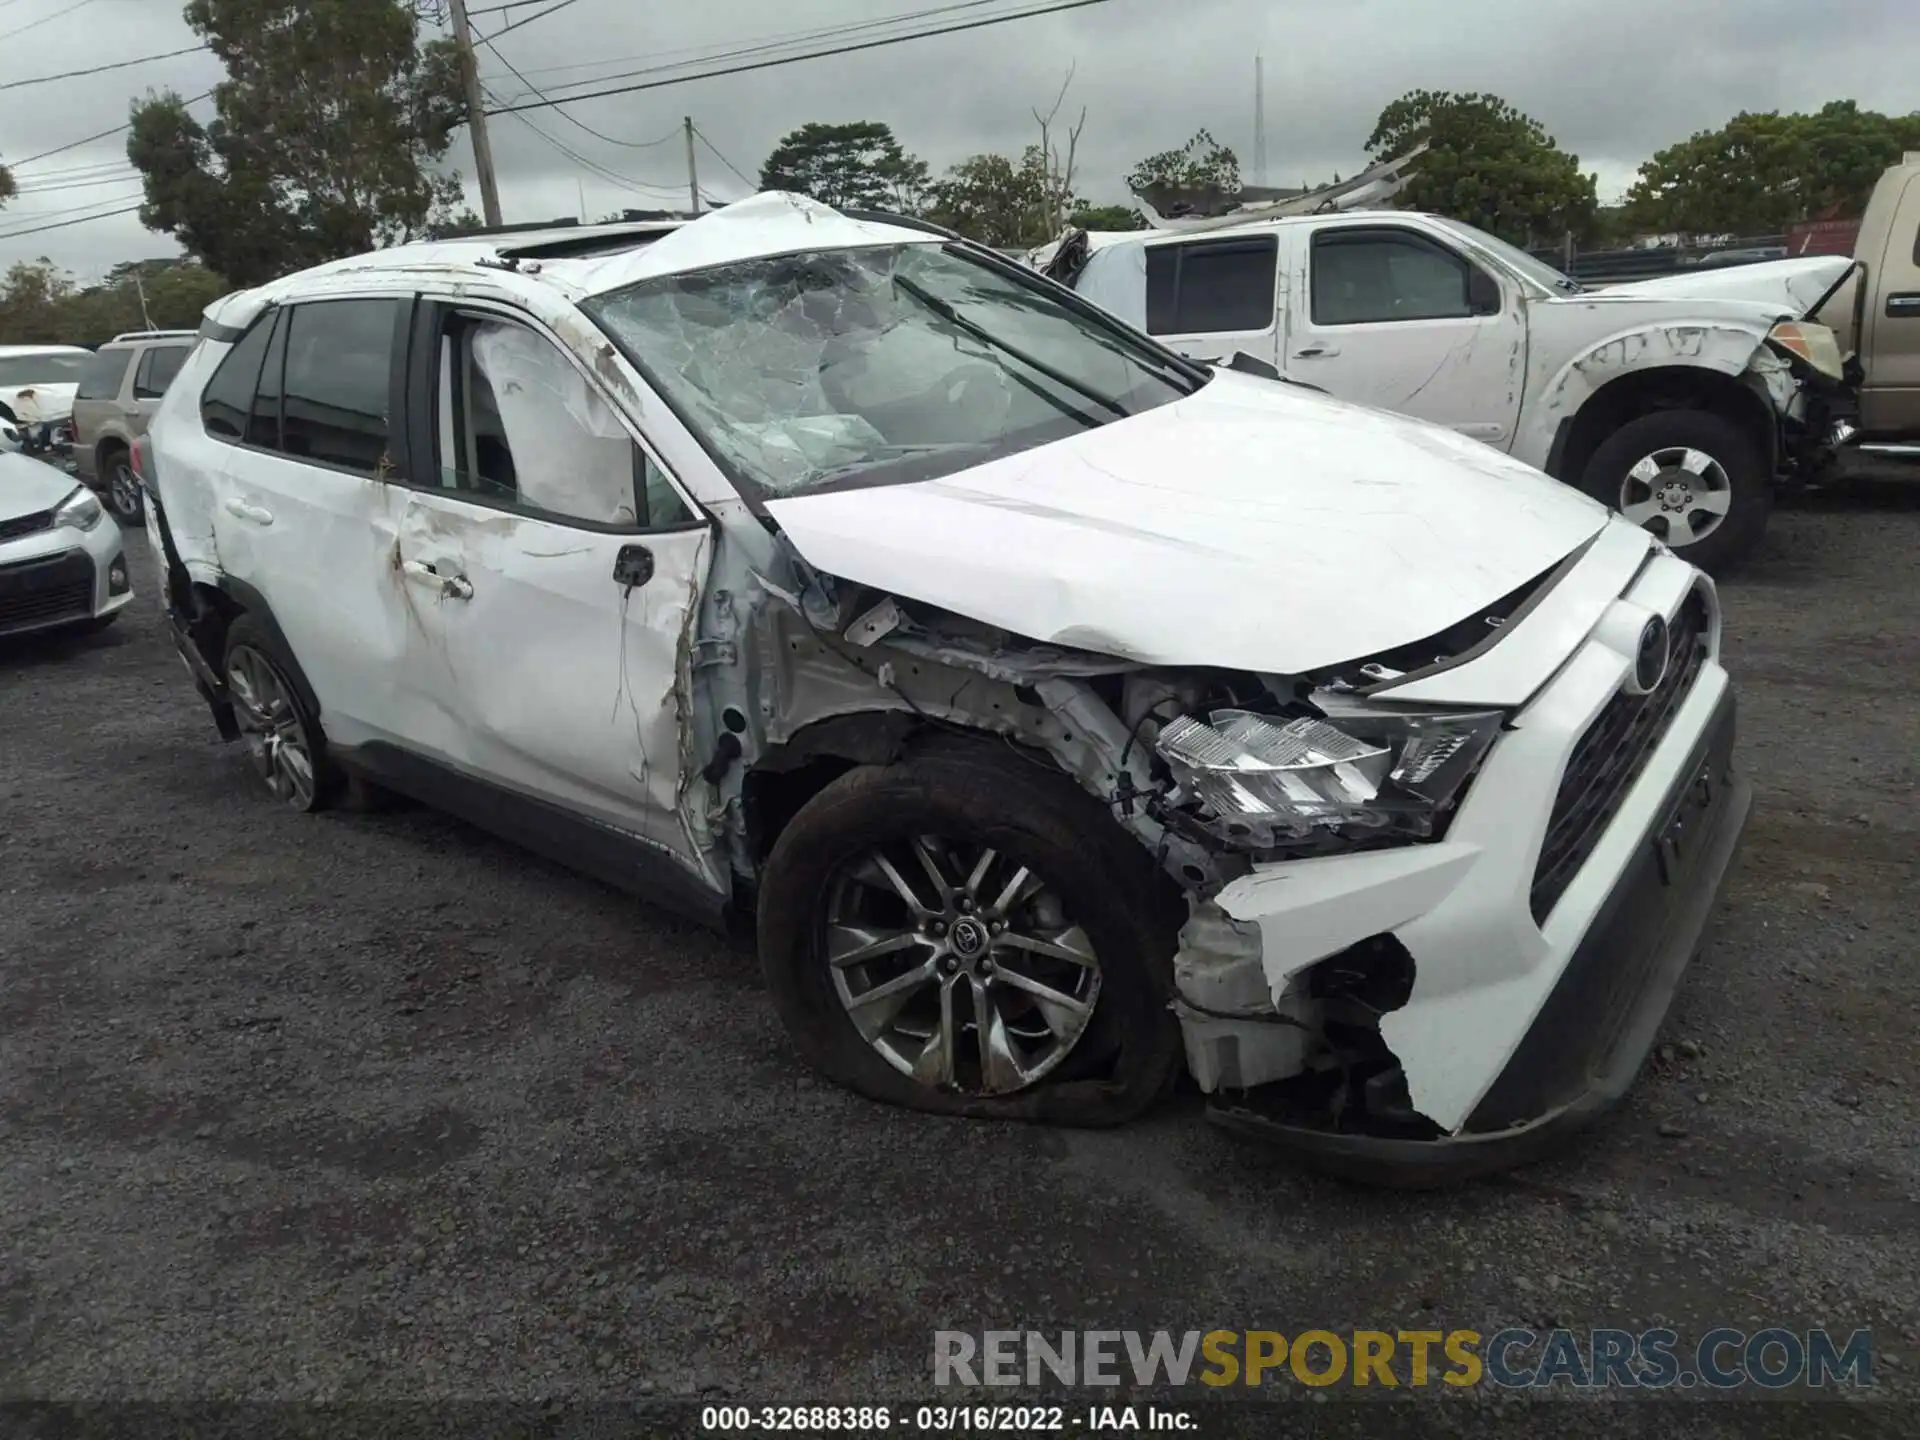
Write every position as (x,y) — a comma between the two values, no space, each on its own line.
(119,487)
(1687,473)
(1092,897)
(285,745)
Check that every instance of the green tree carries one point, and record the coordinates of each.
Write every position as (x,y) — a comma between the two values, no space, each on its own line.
(35,299)
(858,166)
(1202,173)
(995,201)
(1106,217)
(1487,164)
(1762,171)
(41,305)
(325,141)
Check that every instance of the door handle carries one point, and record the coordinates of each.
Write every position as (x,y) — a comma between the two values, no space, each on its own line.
(1902,305)
(252,514)
(1317,352)
(452,587)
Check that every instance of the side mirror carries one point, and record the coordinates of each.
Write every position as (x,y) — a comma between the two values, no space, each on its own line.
(1483,292)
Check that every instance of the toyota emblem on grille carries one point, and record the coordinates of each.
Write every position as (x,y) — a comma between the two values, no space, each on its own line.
(1650,657)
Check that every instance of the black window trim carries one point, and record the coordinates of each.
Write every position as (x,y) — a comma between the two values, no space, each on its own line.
(1349,234)
(1269,242)
(422,402)
(397,437)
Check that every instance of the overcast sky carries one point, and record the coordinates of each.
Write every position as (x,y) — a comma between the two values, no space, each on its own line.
(1613,82)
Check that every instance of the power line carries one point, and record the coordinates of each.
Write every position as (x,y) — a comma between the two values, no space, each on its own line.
(1050,9)
(710,51)
(537,15)
(104,134)
(100,69)
(76,209)
(63,224)
(639,187)
(629,144)
(46,19)
(752,185)
(121,175)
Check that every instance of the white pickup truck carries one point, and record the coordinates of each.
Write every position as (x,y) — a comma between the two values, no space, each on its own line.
(1678,401)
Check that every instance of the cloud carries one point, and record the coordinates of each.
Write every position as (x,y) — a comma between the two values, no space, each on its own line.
(1613,83)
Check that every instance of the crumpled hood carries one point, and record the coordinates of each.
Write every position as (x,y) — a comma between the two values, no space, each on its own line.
(1253,526)
(27,486)
(38,404)
(1795,285)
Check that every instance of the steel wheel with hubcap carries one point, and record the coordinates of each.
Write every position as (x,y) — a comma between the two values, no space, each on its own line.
(1679,493)
(1698,479)
(959,967)
(123,489)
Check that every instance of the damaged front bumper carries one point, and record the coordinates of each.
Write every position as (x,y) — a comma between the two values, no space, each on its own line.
(1422,1014)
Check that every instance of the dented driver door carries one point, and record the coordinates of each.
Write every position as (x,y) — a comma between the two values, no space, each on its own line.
(551,581)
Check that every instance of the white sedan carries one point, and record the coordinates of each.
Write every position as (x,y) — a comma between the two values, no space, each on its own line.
(62,565)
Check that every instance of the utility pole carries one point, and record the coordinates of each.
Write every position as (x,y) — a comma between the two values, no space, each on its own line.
(693,176)
(1259,123)
(476,115)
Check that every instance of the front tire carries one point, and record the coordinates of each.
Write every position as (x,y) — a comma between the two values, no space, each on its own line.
(966,931)
(1694,478)
(285,745)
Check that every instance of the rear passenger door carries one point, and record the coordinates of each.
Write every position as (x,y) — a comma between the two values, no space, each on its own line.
(1211,298)
(552,572)
(304,518)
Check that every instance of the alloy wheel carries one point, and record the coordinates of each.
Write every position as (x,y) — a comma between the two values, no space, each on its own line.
(276,739)
(960,967)
(1680,493)
(123,491)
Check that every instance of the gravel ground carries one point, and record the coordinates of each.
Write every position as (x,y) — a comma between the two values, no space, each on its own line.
(376,1106)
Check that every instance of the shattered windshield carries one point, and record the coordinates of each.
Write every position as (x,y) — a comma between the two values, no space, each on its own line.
(887,363)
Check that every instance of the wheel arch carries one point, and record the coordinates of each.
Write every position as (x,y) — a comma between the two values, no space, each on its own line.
(218,606)
(1636,393)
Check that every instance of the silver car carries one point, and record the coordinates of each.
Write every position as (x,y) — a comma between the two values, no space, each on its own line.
(118,393)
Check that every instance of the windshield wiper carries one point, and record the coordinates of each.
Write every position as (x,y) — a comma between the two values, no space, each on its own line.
(953,317)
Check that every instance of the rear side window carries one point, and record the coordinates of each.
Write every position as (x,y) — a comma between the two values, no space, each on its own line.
(101,379)
(228,398)
(1212,286)
(338,383)
(157,368)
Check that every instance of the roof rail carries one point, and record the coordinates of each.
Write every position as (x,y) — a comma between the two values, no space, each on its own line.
(150,335)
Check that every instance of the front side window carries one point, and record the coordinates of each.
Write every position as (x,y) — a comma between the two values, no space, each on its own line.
(520,425)
(1371,276)
(104,373)
(1212,287)
(882,364)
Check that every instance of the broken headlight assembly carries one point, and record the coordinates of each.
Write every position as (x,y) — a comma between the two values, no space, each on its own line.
(1263,782)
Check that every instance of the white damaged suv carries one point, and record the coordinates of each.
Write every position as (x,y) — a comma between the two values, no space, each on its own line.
(1064,711)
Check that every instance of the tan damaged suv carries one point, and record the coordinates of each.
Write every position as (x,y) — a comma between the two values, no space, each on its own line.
(118,394)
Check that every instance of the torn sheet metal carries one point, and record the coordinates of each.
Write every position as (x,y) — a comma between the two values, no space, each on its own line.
(1338,532)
